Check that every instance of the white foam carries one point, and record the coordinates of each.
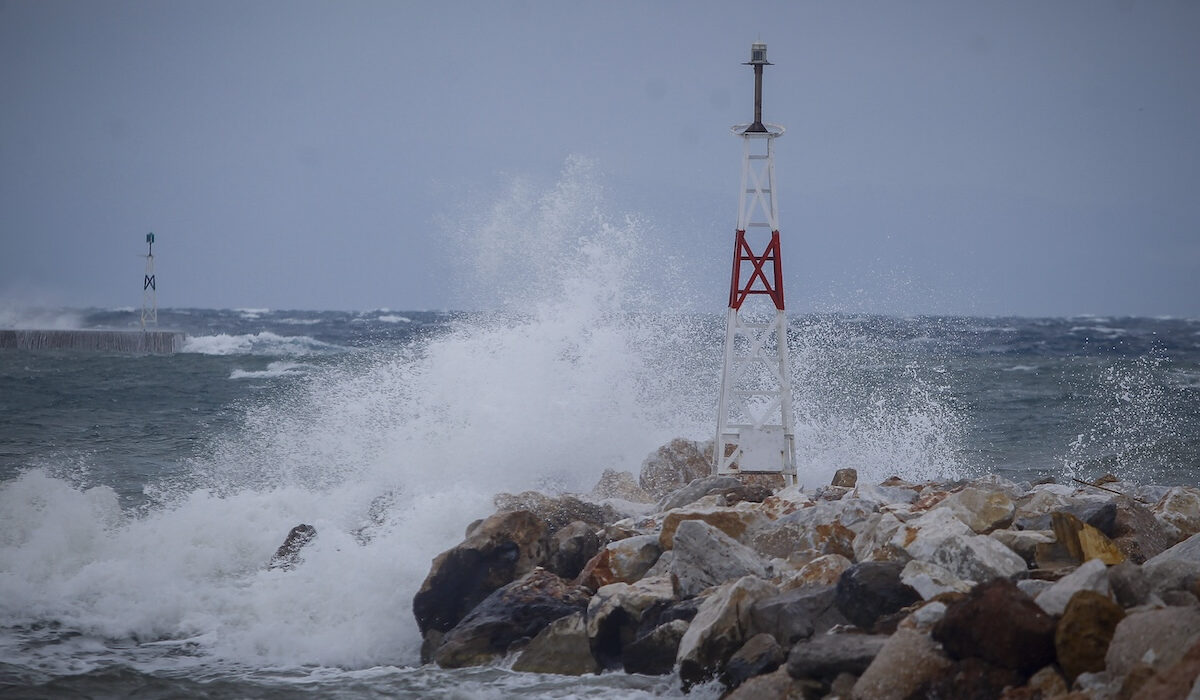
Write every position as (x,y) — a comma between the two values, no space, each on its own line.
(274,369)
(264,343)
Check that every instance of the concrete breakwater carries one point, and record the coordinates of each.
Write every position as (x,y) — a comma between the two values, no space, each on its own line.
(135,341)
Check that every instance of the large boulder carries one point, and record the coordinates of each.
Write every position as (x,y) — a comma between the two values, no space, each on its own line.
(874,539)
(614,615)
(760,654)
(907,660)
(919,537)
(1083,541)
(1158,637)
(705,557)
(1181,507)
(788,537)
(287,557)
(999,624)
(557,512)
(518,611)
(719,629)
(977,558)
(1092,576)
(870,590)
(571,548)
(825,570)
(499,550)
(675,464)
(623,561)
(972,678)
(695,490)
(562,648)
(931,580)
(1082,636)
(1138,533)
(823,657)
(1177,568)
(982,510)
(735,522)
(654,652)
(797,614)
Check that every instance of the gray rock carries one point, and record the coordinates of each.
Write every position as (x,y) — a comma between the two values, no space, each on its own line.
(615,613)
(907,660)
(562,648)
(571,547)
(797,614)
(824,657)
(760,654)
(1130,585)
(696,490)
(1092,576)
(654,652)
(1158,637)
(719,629)
(977,558)
(705,557)
(287,557)
(557,512)
(1176,568)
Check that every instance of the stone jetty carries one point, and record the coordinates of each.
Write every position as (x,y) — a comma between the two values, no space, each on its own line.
(983,588)
(122,341)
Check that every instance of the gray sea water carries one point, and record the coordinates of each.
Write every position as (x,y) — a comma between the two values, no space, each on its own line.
(142,495)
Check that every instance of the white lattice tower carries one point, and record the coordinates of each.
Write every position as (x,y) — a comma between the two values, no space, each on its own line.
(149,287)
(754,423)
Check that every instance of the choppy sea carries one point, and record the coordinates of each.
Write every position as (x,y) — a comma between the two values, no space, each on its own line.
(141,496)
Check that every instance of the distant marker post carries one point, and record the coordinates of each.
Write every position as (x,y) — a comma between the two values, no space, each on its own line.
(149,287)
(754,420)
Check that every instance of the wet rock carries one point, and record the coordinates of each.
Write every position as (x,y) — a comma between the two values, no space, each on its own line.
(502,548)
(760,654)
(982,510)
(735,522)
(976,558)
(1181,508)
(719,629)
(562,648)
(785,502)
(557,512)
(787,537)
(998,623)
(920,537)
(845,477)
(1177,568)
(623,561)
(654,652)
(705,557)
(1157,637)
(1082,636)
(571,548)
(930,580)
(1100,514)
(676,464)
(1138,533)
(870,590)
(824,657)
(615,613)
(907,660)
(1041,500)
(287,557)
(519,610)
(621,485)
(695,490)
(797,614)
(884,495)
(825,570)
(1083,541)
(873,541)
(1092,576)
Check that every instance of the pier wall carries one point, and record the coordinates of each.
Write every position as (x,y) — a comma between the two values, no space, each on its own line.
(159,342)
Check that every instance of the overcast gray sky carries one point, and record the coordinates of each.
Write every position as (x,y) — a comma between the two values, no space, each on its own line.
(1030,158)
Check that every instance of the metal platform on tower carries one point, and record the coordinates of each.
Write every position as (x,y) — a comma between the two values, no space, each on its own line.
(754,423)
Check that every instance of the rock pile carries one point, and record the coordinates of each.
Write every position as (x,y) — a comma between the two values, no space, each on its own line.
(983,588)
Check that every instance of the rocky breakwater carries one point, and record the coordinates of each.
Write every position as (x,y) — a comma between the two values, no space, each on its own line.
(983,588)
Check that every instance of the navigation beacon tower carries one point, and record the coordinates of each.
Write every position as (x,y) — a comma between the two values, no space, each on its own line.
(149,287)
(754,423)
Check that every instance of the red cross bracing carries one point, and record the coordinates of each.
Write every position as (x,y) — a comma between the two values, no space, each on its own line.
(762,278)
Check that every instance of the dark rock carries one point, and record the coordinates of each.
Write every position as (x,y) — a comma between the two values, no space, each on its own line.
(760,654)
(872,589)
(1083,541)
(969,679)
(559,511)
(797,614)
(750,493)
(778,686)
(1137,533)
(720,628)
(1129,584)
(1082,636)
(654,653)
(908,660)
(571,548)
(696,490)
(845,477)
(504,547)
(1099,514)
(562,648)
(998,623)
(287,556)
(623,561)
(615,614)
(675,464)
(824,657)
(518,610)
(668,611)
